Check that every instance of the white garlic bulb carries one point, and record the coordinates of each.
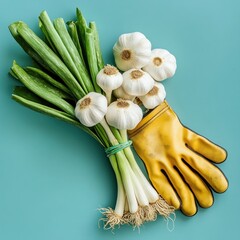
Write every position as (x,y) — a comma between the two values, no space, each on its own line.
(137,82)
(120,93)
(91,109)
(123,114)
(154,97)
(109,78)
(162,65)
(132,50)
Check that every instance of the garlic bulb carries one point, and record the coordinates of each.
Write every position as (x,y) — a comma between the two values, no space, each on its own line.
(137,82)
(120,93)
(109,78)
(123,114)
(162,65)
(154,97)
(91,109)
(132,50)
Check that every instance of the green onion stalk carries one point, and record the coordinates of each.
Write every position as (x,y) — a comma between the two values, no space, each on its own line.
(66,62)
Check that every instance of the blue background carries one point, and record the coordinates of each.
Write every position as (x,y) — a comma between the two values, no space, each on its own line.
(54,177)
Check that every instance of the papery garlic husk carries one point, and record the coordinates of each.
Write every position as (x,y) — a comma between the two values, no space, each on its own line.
(109,78)
(132,50)
(123,114)
(91,109)
(154,97)
(137,82)
(162,65)
(120,93)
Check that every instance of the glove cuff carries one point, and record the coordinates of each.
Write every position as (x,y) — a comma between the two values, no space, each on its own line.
(156,112)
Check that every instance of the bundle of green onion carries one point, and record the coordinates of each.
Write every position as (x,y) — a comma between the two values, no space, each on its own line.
(63,84)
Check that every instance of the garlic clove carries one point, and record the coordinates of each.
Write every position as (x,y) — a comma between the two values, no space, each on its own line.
(123,114)
(137,82)
(109,78)
(132,50)
(162,65)
(120,93)
(154,97)
(91,109)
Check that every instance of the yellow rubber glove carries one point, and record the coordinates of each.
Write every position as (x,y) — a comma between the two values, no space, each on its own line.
(178,160)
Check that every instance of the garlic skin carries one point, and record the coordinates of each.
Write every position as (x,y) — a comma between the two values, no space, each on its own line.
(162,65)
(154,97)
(120,93)
(137,82)
(123,114)
(109,78)
(91,109)
(132,50)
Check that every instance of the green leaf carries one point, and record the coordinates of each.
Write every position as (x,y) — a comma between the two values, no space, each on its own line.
(25,46)
(74,35)
(87,37)
(51,59)
(27,94)
(25,97)
(43,89)
(61,48)
(41,74)
(81,26)
(92,58)
(100,62)
(82,73)
(48,39)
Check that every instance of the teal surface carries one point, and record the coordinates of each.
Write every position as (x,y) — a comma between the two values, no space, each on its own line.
(54,177)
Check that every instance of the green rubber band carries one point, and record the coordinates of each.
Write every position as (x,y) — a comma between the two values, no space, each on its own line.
(116,148)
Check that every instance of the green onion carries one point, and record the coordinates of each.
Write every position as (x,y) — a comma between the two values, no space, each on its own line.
(72,60)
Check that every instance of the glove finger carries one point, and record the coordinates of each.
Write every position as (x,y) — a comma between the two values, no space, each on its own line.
(204,147)
(162,186)
(212,174)
(188,204)
(199,188)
